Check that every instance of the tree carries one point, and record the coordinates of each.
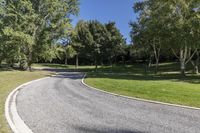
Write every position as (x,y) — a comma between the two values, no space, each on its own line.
(98,39)
(149,29)
(115,44)
(170,24)
(69,52)
(183,30)
(34,26)
(81,39)
(98,42)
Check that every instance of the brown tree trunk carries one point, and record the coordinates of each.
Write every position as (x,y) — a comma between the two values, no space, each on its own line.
(66,63)
(77,61)
(29,62)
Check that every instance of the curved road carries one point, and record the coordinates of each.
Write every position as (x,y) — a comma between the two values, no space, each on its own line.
(62,104)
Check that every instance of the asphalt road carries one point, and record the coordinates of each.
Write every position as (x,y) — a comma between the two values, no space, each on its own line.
(62,104)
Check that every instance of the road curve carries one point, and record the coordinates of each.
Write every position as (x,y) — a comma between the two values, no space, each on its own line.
(62,104)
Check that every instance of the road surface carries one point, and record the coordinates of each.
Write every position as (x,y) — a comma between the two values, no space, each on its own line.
(62,104)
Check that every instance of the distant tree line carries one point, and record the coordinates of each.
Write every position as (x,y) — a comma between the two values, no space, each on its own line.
(41,31)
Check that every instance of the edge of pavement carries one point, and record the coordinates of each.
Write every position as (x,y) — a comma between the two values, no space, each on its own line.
(14,120)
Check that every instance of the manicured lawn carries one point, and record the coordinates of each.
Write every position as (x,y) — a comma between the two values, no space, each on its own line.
(10,79)
(170,88)
(128,69)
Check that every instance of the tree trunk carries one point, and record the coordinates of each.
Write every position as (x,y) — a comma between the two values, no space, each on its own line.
(157,65)
(182,68)
(156,49)
(195,64)
(196,69)
(150,61)
(77,61)
(111,64)
(29,62)
(66,63)
(183,57)
(115,58)
(96,66)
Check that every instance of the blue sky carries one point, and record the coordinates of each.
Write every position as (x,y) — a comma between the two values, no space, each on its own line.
(119,11)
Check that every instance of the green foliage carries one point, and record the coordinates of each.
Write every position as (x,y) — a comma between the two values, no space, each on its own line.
(31,27)
(69,51)
(164,25)
(115,45)
(98,42)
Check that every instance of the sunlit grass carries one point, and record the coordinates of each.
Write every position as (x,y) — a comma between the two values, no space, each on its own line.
(170,88)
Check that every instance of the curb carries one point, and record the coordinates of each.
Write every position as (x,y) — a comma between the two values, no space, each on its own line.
(139,99)
(15,122)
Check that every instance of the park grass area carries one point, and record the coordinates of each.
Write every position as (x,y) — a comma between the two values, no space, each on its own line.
(10,79)
(63,66)
(171,67)
(166,86)
(49,65)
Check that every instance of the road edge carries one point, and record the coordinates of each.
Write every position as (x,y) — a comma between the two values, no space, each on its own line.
(15,122)
(138,99)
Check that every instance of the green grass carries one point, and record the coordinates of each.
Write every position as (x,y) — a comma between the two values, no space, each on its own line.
(127,69)
(63,66)
(165,89)
(131,80)
(167,86)
(10,79)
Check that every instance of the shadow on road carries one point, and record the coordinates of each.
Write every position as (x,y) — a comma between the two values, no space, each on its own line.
(105,130)
(69,75)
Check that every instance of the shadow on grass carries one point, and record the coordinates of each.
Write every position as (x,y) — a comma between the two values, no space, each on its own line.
(5,67)
(194,79)
(137,72)
(130,72)
(55,65)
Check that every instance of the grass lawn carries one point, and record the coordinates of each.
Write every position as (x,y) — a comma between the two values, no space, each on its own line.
(63,66)
(165,86)
(10,79)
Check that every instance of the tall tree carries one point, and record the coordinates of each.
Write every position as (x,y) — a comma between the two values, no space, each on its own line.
(98,32)
(171,24)
(36,25)
(81,40)
(115,45)
(181,20)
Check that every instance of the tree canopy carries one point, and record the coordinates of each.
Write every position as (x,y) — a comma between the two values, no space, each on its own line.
(171,24)
(31,27)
